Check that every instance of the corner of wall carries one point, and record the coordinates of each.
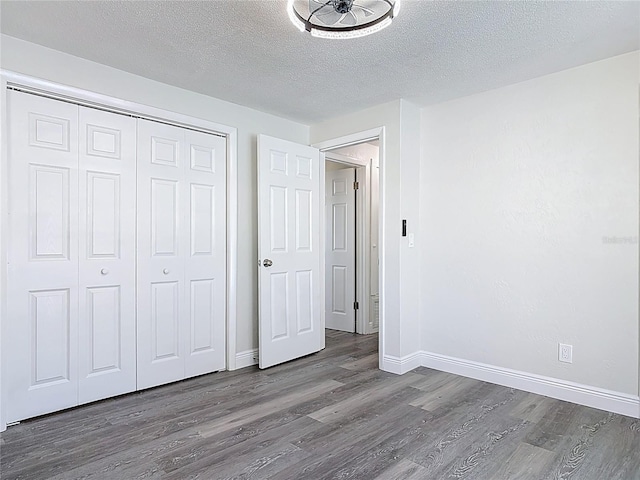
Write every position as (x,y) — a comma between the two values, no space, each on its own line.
(246,358)
(411,245)
(401,365)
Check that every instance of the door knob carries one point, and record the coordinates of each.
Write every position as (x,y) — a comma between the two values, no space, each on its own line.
(165,271)
(104,271)
(267,262)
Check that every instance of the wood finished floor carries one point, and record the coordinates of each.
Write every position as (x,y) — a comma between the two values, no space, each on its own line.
(331,415)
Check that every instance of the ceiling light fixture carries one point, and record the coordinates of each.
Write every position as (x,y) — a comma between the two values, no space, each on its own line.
(342,18)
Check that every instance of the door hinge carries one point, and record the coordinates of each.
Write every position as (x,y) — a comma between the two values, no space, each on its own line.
(356,306)
(356,185)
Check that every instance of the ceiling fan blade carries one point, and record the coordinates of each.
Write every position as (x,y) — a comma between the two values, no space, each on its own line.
(367,11)
(318,7)
(373,5)
(349,19)
(328,16)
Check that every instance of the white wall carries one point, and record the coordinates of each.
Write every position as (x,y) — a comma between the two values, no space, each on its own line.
(520,187)
(399,171)
(30,59)
(409,190)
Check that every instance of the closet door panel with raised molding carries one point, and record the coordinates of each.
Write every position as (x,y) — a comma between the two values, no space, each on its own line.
(206,259)
(107,315)
(161,252)
(40,360)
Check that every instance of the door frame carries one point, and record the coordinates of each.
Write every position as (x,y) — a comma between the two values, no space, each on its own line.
(353,139)
(363,170)
(29,84)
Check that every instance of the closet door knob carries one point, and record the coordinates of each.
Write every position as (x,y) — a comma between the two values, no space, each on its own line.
(267,263)
(165,271)
(104,271)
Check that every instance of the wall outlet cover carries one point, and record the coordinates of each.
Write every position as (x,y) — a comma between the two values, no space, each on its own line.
(565,353)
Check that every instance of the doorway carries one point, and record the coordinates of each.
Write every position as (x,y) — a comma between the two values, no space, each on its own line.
(351,242)
(291,245)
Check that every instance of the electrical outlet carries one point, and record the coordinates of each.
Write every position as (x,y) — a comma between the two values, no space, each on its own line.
(565,353)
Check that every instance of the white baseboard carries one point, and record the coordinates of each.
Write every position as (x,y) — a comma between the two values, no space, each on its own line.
(401,365)
(587,395)
(590,396)
(246,358)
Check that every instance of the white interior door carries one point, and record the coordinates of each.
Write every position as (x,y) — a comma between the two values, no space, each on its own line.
(291,323)
(107,224)
(340,249)
(181,253)
(40,354)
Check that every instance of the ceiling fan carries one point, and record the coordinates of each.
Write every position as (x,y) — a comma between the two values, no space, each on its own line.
(342,18)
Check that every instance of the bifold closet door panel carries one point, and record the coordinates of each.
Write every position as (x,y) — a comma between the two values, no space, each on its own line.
(205,265)
(107,200)
(40,360)
(162,249)
(181,253)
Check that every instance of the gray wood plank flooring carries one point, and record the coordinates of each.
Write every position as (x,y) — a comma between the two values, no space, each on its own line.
(332,415)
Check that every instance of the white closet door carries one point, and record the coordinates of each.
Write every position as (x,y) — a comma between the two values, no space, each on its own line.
(162,248)
(181,253)
(40,360)
(205,262)
(107,322)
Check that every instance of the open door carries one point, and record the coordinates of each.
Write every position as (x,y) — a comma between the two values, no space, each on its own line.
(340,250)
(291,323)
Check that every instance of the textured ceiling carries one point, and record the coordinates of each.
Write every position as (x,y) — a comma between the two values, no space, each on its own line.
(247,52)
